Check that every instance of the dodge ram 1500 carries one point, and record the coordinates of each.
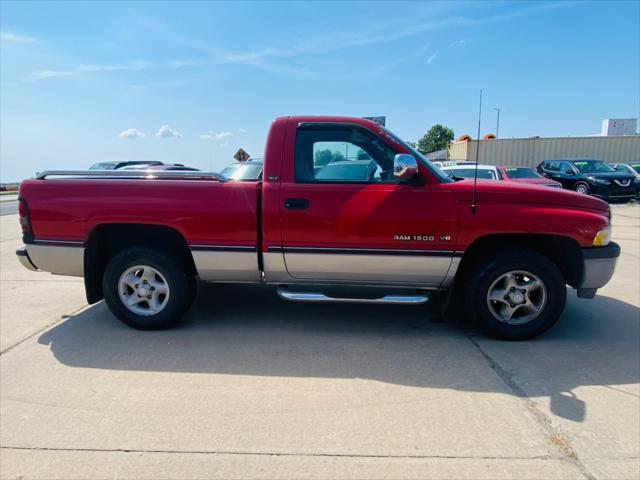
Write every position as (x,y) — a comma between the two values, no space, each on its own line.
(141,240)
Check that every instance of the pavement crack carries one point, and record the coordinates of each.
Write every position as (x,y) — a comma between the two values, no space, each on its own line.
(555,435)
(284,454)
(621,391)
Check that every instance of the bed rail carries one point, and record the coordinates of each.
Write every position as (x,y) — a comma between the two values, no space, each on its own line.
(134,174)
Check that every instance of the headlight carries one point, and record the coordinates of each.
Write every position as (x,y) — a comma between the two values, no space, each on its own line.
(603,237)
(637,180)
(601,181)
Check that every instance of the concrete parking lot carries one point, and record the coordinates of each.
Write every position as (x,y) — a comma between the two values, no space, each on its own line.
(250,386)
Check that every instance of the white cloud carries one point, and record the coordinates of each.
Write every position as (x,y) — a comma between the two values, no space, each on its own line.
(13,37)
(242,130)
(459,43)
(134,66)
(217,136)
(131,133)
(432,58)
(223,135)
(166,131)
(42,74)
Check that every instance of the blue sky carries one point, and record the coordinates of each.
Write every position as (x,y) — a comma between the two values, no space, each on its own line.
(83,82)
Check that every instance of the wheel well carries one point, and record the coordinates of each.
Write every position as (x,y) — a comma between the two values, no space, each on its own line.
(107,240)
(563,251)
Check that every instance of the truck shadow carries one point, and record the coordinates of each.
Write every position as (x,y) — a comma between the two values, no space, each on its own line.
(247,330)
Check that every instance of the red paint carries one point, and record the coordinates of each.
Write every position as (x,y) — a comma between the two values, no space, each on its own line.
(339,215)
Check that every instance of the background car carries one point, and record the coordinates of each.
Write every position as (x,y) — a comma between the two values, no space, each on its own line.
(164,166)
(119,165)
(485,172)
(526,175)
(243,171)
(592,177)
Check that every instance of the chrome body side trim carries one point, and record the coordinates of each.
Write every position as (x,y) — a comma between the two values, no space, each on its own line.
(226,266)
(321,297)
(58,259)
(407,269)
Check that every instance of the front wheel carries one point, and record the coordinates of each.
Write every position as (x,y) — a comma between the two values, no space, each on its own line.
(582,188)
(148,289)
(515,295)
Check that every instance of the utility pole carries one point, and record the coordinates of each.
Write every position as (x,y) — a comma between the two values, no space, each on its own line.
(498,110)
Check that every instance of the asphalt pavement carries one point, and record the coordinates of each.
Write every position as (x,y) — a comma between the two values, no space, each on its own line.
(253,387)
(8,206)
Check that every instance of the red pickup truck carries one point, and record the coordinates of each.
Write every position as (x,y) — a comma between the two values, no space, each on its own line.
(342,203)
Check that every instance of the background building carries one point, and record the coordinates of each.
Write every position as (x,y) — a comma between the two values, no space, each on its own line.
(618,143)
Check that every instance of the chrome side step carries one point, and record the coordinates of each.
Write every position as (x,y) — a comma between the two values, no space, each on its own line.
(321,297)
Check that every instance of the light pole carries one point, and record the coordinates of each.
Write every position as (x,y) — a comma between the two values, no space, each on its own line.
(498,110)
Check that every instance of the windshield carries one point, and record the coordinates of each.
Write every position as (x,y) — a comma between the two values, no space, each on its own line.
(470,173)
(421,158)
(636,167)
(517,172)
(242,171)
(592,166)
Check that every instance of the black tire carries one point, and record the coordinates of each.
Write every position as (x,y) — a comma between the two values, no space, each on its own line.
(485,273)
(582,187)
(178,275)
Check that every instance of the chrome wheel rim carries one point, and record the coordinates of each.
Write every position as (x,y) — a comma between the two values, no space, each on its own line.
(143,290)
(516,297)
(581,189)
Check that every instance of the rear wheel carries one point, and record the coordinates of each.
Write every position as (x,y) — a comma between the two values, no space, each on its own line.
(515,295)
(582,187)
(148,289)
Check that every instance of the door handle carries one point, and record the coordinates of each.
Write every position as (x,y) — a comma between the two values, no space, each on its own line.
(296,203)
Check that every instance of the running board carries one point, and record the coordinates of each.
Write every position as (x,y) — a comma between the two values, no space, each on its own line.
(321,297)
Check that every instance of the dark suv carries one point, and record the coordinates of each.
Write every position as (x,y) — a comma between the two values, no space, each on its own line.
(592,177)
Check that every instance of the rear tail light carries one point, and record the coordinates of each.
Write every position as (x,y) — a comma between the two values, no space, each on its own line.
(25,221)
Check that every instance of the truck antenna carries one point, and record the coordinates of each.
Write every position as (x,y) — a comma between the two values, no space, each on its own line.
(475,173)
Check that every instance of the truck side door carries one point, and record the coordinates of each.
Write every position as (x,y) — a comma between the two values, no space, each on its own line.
(344,217)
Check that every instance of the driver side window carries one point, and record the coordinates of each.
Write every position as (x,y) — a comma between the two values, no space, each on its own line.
(346,154)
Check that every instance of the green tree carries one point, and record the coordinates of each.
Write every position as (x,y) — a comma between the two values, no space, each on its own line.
(337,156)
(322,157)
(437,138)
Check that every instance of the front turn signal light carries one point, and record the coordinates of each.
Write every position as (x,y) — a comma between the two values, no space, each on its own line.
(603,237)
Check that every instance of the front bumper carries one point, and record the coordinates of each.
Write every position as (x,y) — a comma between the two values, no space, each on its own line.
(23,258)
(614,191)
(598,265)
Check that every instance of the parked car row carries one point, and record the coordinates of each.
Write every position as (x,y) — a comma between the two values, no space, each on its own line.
(587,176)
(501,172)
(593,177)
(141,165)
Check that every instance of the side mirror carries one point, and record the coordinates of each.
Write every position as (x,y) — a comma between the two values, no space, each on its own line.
(570,172)
(405,167)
